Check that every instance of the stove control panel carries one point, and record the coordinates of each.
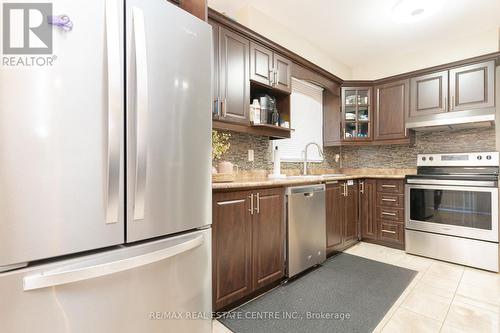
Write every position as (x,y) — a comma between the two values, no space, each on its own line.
(459,159)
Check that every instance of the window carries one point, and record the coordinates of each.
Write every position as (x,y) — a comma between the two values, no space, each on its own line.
(306,117)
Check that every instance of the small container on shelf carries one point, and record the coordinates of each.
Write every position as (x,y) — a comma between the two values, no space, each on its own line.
(255,112)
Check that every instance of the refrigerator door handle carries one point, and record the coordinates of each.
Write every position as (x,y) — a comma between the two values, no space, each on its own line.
(76,274)
(141,63)
(114,110)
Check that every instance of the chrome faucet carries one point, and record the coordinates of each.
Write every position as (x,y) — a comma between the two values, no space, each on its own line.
(305,155)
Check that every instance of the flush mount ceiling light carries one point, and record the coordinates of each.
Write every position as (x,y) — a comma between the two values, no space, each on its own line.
(406,11)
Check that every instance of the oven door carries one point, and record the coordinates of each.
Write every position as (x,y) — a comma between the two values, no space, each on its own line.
(459,210)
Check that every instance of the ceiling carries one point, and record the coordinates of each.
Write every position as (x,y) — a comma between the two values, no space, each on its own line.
(354,32)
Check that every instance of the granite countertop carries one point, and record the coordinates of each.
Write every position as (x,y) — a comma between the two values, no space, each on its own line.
(258,180)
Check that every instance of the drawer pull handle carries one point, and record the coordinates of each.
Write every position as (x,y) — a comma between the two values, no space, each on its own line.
(232,202)
(388,186)
(390,200)
(388,231)
(388,214)
(251,204)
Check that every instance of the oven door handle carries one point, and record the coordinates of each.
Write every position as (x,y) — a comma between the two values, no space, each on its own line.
(473,183)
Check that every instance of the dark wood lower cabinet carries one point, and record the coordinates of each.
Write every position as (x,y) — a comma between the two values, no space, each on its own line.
(231,247)
(342,228)
(248,243)
(391,233)
(351,227)
(268,230)
(382,212)
(367,195)
(334,216)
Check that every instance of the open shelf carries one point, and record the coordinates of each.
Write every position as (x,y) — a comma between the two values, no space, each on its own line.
(272,131)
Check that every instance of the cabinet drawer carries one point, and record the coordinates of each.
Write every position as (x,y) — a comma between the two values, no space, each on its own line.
(390,200)
(391,232)
(390,186)
(389,213)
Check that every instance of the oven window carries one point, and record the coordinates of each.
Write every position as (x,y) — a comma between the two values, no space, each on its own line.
(457,208)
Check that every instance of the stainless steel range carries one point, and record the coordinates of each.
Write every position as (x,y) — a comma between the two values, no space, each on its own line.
(452,209)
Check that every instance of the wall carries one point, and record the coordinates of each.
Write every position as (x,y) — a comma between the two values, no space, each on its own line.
(403,156)
(241,143)
(471,46)
(394,156)
(265,25)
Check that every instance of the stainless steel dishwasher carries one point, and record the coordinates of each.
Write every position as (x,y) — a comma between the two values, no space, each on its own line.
(306,227)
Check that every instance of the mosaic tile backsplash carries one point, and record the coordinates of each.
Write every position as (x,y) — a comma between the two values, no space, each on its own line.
(392,156)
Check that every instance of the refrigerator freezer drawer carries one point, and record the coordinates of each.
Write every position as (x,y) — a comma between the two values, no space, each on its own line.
(153,287)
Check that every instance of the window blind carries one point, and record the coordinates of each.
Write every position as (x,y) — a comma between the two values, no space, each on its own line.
(306,116)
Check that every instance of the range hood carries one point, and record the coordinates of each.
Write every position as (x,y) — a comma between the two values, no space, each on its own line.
(453,120)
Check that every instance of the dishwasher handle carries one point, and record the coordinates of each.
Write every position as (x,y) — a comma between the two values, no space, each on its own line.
(307,189)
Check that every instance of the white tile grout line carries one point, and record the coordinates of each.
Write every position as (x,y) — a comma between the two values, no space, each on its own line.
(410,287)
(454,294)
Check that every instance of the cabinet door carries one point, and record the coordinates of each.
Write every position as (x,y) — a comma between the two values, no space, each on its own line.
(392,233)
(234,82)
(215,69)
(391,106)
(472,87)
(231,247)
(261,64)
(283,78)
(367,197)
(356,114)
(331,118)
(334,216)
(351,215)
(268,237)
(429,94)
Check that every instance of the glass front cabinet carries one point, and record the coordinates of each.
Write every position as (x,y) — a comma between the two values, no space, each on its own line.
(356,114)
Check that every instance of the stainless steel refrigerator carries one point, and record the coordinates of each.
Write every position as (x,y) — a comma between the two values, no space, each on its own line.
(105,191)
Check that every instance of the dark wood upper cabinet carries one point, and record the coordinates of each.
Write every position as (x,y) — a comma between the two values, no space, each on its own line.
(268,237)
(332,119)
(283,73)
(269,68)
(392,101)
(261,64)
(234,82)
(232,244)
(472,87)
(334,216)
(367,200)
(248,243)
(356,114)
(351,228)
(215,69)
(429,94)
(198,8)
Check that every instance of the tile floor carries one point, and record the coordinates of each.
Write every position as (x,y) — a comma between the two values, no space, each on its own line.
(443,297)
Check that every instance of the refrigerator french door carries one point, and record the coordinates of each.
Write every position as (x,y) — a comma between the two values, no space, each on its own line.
(61,141)
(129,89)
(168,120)
(62,132)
